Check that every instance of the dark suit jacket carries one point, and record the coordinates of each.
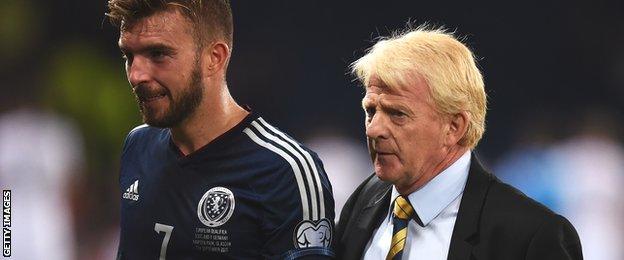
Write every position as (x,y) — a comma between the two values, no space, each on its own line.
(495,221)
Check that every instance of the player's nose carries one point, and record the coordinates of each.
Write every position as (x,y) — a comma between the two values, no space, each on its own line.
(138,71)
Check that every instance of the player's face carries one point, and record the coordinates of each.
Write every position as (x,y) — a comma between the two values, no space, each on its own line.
(163,67)
(404,131)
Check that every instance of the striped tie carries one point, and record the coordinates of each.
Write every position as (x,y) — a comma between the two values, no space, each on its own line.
(403,212)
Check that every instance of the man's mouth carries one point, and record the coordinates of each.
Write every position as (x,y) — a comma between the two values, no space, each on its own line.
(150,98)
(383,152)
(146,94)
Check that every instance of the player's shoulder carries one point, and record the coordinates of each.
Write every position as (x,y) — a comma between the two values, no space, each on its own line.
(145,131)
(144,135)
(286,163)
(279,148)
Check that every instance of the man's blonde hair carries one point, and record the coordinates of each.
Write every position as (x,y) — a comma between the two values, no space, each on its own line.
(447,66)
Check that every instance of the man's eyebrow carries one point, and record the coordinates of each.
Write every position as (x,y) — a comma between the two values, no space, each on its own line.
(158,46)
(147,47)
(397,105)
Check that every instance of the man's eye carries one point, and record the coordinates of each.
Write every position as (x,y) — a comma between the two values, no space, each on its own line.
(157,54)
(370,112)
(398,114)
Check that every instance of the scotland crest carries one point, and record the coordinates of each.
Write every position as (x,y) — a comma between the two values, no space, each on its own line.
(313,234)
(216,207)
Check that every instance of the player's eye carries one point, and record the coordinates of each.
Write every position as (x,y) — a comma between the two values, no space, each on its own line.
(158,54)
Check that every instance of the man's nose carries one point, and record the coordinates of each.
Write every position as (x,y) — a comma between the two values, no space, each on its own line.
(138,71)
(377,127)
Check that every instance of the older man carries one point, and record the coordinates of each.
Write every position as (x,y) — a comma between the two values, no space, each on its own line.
(430,198)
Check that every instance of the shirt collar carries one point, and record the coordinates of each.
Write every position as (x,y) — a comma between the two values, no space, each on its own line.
(439,192)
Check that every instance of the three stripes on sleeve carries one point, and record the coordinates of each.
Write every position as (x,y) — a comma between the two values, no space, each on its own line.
(302,163)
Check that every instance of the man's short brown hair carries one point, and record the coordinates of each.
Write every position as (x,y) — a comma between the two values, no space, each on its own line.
(212,19)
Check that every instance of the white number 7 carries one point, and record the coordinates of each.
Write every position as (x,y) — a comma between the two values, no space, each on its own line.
(167,229)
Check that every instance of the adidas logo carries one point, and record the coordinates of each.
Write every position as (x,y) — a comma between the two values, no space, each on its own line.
(132,193)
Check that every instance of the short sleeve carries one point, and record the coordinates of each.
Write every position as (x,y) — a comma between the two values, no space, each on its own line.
(130,139)
(298,221)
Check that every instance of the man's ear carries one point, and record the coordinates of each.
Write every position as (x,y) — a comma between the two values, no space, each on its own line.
(457,128)
(216,57)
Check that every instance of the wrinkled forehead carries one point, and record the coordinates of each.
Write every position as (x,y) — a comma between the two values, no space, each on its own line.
(374,84)
(408,85)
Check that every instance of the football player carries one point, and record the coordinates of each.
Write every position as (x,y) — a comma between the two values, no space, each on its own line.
(206,178)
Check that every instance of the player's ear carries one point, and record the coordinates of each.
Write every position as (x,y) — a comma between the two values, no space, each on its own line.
(215,56)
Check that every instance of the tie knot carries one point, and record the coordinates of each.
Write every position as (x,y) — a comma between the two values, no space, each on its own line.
(402,208)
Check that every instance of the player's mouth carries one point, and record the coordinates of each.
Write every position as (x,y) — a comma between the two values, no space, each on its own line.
(146,95)
(150,98)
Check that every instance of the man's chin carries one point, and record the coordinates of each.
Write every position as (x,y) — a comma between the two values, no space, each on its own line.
(154,121)
(386,165)
(385,174)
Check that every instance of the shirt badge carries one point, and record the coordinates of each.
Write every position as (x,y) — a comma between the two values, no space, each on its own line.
(216,207)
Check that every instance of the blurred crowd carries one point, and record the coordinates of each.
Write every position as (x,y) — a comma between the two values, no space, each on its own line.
(65,110)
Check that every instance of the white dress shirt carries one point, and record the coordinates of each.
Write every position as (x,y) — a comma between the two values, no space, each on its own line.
(437,204)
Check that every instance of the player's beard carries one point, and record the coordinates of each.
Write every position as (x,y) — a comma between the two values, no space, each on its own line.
(179,108)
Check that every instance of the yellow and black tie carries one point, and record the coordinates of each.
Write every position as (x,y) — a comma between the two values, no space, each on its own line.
(402,213)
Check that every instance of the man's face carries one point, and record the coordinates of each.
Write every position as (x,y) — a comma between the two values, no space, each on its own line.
(405,133)
(163,66)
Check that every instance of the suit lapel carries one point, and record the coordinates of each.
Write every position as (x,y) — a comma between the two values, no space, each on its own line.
(377,208)
(370,217)
(465,232)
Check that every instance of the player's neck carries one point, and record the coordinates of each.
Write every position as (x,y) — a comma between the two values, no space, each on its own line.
(217,114)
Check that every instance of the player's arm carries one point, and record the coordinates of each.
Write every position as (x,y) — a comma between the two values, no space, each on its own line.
(300,219)
(127,146)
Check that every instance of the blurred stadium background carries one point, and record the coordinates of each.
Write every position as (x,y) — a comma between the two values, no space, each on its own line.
(554,73)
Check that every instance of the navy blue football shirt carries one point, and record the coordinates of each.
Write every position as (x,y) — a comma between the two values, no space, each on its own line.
(252,193)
